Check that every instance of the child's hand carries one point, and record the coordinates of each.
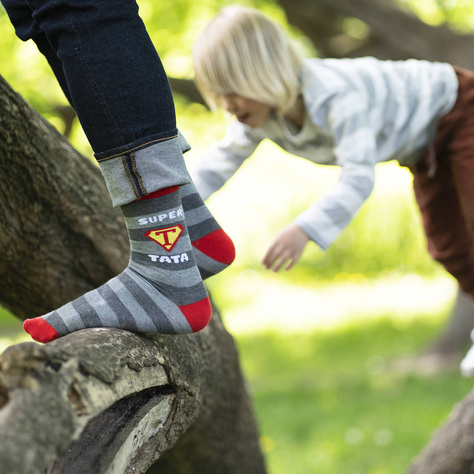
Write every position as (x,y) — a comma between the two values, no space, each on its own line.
(287,246)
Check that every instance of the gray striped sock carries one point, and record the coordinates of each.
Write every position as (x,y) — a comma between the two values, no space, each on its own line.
(160,291)
(213,249)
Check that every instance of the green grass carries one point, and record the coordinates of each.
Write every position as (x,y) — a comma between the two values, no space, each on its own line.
(8,322)
(11,331)
(331,402)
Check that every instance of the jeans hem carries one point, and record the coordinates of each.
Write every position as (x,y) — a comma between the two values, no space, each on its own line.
(145,169)
(135,145)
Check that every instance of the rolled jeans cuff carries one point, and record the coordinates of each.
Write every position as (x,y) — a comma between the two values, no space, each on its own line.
(138,172)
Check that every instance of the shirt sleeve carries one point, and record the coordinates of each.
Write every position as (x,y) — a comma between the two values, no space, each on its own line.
(355,151)
(222,159)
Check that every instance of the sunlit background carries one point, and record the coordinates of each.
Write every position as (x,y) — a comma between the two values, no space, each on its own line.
(322,344)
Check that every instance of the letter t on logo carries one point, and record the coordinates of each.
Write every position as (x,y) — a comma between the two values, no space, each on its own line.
(167,237)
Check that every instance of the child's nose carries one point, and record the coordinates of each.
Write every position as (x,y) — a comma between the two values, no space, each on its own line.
(228,105)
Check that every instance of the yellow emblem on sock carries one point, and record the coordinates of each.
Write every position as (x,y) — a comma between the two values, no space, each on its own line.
(166,237)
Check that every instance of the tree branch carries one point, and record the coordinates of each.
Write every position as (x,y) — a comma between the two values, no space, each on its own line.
(394,33)
(187,88)
(451,450)
(109,401)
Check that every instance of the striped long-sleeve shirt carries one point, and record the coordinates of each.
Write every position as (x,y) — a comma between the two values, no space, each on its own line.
(358,112)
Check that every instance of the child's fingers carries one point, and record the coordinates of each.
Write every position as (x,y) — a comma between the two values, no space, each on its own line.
(279,264)
(270,256)
(291,263)
(285,249)
(280,259)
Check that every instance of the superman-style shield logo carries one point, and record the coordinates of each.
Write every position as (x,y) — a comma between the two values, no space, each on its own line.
(167,237)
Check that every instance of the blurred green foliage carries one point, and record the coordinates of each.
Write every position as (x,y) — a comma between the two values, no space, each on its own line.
(458,14)
(342,401)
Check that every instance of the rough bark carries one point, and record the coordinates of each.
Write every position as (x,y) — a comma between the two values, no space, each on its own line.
(99,400)
(451,449)
(109,401)
(55,214)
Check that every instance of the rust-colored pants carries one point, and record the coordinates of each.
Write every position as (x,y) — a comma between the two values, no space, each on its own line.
(445,194)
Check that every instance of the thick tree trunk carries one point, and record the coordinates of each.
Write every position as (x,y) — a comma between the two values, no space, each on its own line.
(109,401)
(455,338)
(451,450)
(60,236)
(99,400)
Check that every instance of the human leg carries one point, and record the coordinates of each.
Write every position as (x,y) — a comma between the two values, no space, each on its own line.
(141,159)
(447,233)
(160,290)
(446,197)
(461,152)
(448,237)
(461,149)
(114,74)
(20,15)
(213,249)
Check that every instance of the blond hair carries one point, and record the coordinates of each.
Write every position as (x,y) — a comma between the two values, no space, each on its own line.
(242,52)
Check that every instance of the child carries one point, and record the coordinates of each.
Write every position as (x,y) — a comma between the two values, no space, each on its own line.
(352,113)
(111,74)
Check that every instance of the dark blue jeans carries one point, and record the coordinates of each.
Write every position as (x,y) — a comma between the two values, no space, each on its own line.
(106,65)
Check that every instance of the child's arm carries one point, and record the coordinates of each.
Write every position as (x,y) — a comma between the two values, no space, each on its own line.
(329,216)
(355,151)
(345,116)
(222,159)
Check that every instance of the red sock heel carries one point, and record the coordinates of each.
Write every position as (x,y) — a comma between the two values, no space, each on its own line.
(218,246)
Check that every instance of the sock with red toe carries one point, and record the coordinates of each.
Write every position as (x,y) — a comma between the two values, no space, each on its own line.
(161,289)
(213,248)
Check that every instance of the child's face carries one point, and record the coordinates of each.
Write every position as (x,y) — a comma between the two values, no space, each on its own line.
(247,111)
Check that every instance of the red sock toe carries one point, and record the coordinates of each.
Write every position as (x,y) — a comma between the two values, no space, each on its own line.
(217,245)
(40,330)
(198,314)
